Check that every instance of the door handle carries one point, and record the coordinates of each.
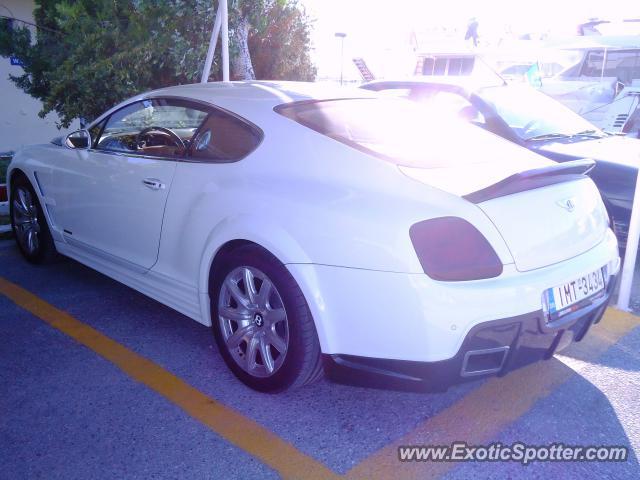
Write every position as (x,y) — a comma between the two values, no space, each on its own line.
(153,184)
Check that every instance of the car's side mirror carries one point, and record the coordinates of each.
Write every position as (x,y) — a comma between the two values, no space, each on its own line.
(80,139)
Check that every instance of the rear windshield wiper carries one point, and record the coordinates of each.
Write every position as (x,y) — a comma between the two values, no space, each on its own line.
(588,133)
(548,136)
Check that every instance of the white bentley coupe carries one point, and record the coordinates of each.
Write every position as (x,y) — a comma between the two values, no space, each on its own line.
(326,230)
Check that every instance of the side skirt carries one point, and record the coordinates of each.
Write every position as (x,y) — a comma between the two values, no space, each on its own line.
(177,295)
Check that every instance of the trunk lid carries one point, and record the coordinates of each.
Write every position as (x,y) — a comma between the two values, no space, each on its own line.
(549,224)
(545,214)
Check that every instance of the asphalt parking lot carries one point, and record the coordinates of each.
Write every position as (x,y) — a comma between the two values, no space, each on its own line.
(98,381)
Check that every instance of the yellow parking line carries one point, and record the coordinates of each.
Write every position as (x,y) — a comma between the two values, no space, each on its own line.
(241,431)
(479,416)
(476,418)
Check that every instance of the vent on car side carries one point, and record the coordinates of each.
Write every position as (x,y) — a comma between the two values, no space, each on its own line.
(620,120)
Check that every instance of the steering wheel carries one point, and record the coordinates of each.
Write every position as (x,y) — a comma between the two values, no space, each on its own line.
(171,134)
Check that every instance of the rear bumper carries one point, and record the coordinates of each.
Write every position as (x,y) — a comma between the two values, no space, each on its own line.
(490,348)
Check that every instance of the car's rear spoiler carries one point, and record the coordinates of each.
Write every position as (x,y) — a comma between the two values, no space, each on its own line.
(535,178)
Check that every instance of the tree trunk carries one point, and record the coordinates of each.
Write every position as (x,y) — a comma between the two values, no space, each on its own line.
(241,67)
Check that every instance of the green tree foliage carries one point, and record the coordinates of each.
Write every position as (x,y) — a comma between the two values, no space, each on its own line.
(88,55)
(280,49)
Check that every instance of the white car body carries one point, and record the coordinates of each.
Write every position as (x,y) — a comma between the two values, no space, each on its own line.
(337,217)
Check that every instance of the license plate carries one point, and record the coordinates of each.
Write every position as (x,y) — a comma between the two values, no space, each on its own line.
(566,297)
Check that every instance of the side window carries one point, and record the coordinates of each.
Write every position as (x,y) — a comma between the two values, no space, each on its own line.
(95,132)
(467,66)
(624,65)
(427,66)
(156,128)
(593,64)
(440,66)
(224,138)
(448,66)
(455,65)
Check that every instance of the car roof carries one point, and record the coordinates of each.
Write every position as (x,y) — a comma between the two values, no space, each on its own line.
(274,92)
(248,98)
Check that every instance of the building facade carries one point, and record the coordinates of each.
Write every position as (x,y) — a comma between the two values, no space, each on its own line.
(19,121)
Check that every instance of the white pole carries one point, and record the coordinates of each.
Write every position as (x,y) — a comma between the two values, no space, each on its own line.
(341,60)
(631,251)
(341,36)
(220,28)
(212,47)
(225,40)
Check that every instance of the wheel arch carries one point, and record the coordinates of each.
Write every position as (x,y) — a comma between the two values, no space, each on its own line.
(233,232)
(30,176)
(224,249)
(12,175)
(16,173)
(277,242)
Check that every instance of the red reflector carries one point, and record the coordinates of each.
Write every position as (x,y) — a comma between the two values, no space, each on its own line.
(451,249)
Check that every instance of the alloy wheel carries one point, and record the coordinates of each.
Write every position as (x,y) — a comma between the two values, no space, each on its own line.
(253,321)
(25,221)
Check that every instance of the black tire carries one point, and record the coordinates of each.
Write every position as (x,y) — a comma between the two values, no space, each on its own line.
(45,252)
(302,363)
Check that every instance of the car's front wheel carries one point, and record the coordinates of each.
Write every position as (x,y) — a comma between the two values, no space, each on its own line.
(262,323)
(29,223)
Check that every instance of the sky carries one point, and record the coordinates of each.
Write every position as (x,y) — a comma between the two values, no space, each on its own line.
(380,31)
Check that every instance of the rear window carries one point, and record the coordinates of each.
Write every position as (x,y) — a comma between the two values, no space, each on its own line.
(397,130)
(224,138)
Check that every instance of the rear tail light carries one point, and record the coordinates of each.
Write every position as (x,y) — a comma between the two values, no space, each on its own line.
(451,249)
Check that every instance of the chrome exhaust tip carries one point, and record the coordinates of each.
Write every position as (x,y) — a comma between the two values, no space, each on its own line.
(484,362)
